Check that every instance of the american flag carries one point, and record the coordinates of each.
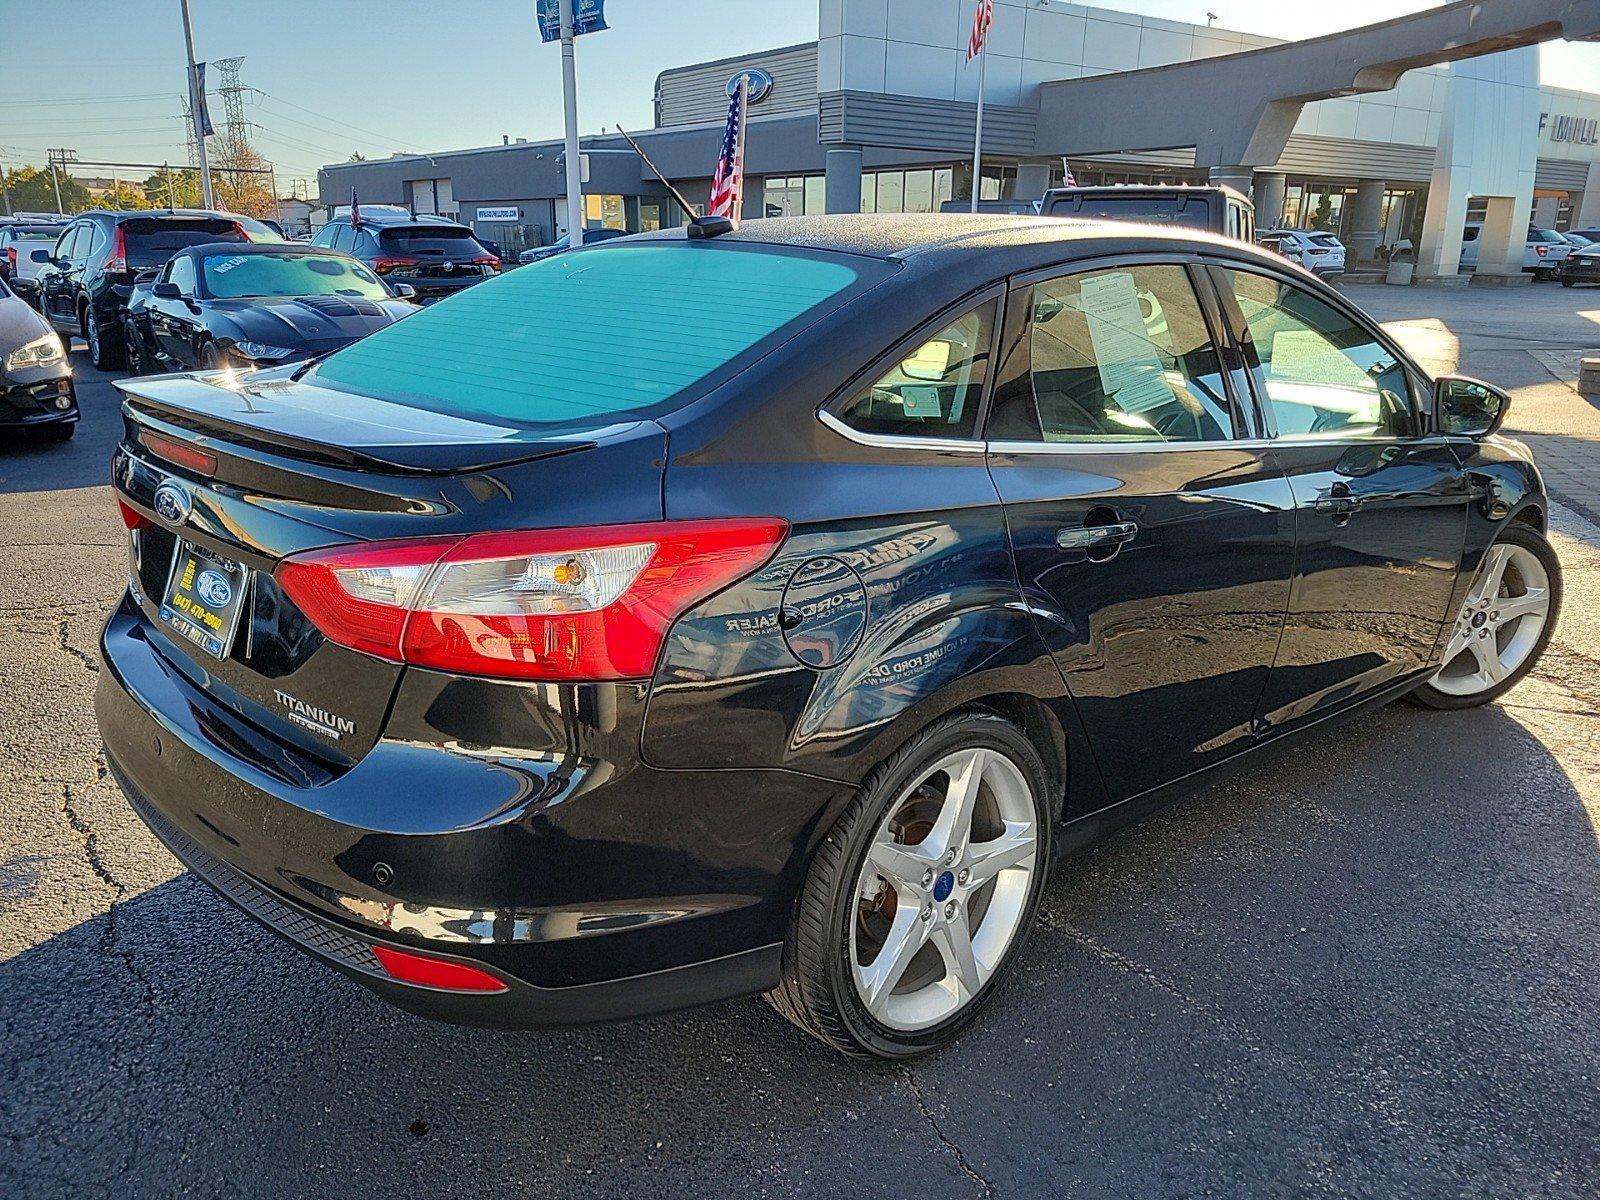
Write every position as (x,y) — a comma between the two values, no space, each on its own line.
(1069,180)
(355,210)
(727,183)
(981,20)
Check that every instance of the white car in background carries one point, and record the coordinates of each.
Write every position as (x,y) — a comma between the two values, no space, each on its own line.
(18,241)
(1540,254)
(1318,252)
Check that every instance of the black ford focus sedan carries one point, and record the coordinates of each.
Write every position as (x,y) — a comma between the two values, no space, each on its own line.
(701,616)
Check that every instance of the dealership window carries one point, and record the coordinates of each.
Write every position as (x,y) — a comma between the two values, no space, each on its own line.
(604,212)
(794,195)
(918,190)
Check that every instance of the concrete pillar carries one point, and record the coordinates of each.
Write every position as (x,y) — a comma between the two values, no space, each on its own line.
(1504,238)
(1439,255)
(1589,209)
(1366,222)
(1268,196)
(1033,179)
(1240,179)
(842,188)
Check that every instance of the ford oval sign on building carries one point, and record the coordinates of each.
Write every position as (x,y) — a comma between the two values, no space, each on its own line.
(760,84)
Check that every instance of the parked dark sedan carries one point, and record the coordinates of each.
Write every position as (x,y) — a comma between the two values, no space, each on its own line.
(1581,266)
(250,306)
(533,679)
(36,392)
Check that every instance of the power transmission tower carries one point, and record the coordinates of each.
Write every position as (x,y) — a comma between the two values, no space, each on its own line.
(232,91)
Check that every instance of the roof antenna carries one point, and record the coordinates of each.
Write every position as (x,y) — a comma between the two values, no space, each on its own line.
(699,227)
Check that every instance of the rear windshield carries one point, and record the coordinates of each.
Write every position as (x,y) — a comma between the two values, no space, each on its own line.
(229,276)
(45,233)
(622,329)
(453,242)
(150,243)
(1326,239)
(1193,213)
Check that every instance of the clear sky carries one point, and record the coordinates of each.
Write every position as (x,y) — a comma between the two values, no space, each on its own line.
(105,77)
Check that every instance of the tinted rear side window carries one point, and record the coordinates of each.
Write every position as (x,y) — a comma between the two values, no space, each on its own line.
(1194,214)
(619,330)
(452,242)
(150,243)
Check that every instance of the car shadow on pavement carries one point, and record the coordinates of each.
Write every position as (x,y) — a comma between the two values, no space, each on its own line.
(1368,967)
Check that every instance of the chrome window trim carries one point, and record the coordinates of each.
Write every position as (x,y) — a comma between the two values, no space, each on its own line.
(1007,447)
(886,441)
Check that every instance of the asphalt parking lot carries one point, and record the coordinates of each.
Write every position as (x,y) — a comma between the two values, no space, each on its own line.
(1370,969)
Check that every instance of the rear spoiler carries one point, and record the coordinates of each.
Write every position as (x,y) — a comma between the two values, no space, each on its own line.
(281,415)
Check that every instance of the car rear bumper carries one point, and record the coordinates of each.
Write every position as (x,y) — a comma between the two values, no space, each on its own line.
(594,891)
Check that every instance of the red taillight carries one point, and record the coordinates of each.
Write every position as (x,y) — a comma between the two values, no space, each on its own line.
(385,263)
(567,604)
(487,260)
(1541,251)
(11,256)
(131,517)
(426,971)
(179,453)
(118,262)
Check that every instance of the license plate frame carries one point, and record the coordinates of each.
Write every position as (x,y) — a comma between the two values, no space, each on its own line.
(203,601)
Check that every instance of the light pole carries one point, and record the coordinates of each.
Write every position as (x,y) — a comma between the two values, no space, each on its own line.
(196,108)
(569,89)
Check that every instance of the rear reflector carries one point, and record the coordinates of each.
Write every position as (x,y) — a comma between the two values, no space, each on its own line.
(551,604)
(425,971)
(179,453)
(131,517)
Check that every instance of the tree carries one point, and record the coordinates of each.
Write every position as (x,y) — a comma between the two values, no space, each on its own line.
(241,183)
(174,188)
(124,196)
(32,190)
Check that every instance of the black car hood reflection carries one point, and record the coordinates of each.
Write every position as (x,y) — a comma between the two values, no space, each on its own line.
(309,323)
(19,325)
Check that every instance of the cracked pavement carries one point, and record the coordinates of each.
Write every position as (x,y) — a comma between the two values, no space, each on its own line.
(1370,967)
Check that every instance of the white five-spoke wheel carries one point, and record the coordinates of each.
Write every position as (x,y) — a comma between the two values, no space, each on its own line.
(943,889)
(922,896)
(1504,623)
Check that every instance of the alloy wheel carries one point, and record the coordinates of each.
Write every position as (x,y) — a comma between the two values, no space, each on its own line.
(943,890)
(1499,624)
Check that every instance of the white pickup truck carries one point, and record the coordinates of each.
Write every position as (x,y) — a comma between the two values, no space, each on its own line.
(1542,251)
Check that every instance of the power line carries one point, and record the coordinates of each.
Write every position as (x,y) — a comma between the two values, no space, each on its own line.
(385,138)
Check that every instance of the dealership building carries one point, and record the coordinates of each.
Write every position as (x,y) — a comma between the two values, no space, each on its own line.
(1353,133)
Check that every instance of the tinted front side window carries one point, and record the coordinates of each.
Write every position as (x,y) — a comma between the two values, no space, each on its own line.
(1325,375)
(619,330)
(1117,356)
(935,389)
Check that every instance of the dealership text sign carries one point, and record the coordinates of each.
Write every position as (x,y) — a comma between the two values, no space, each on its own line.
(1582,131)
(511,213)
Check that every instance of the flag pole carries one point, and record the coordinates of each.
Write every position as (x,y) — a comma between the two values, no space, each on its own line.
(977,137)
(738,157)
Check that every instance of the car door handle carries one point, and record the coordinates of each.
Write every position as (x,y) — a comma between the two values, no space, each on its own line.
(1339,501)
(1096,537)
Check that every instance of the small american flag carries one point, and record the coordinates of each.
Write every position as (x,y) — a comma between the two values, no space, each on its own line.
(1069,180)
(727,182)
(981,20)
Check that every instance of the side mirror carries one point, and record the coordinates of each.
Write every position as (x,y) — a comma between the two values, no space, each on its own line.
(404,290)
(1466,407)
(41,256)
(166,290)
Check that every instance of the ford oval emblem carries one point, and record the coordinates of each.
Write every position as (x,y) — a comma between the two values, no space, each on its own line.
(760,84)
(172,503)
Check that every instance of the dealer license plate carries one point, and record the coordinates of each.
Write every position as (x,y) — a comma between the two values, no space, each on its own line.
(205,597)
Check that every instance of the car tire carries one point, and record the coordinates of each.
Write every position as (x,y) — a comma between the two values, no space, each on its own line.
(137,365)
(824,982)
(1567,283)
(1528,554)
(105,352)
(211,358)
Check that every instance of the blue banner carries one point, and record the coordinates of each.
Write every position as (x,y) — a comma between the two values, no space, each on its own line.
(588,16)
(197,89)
